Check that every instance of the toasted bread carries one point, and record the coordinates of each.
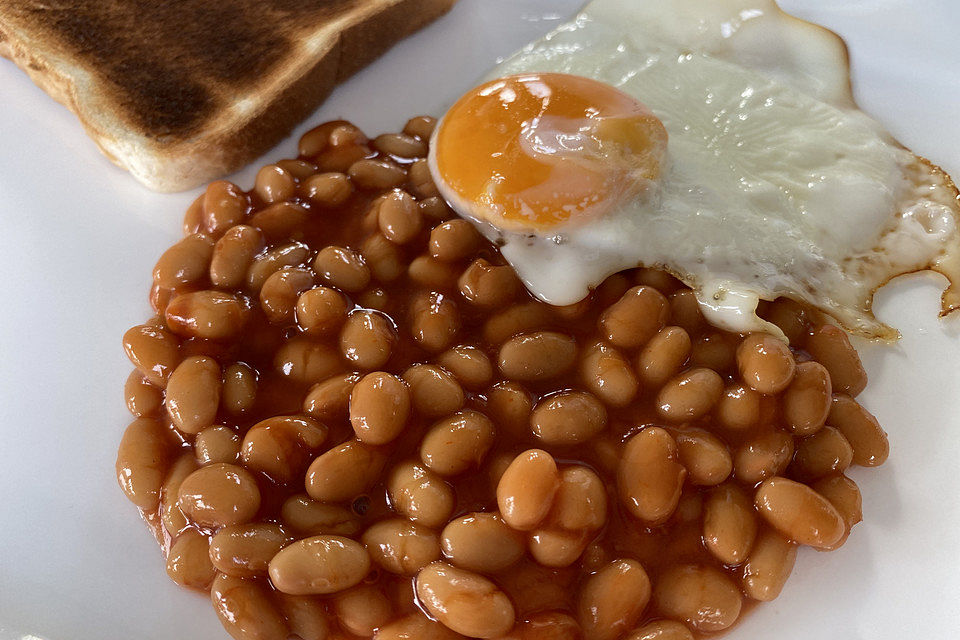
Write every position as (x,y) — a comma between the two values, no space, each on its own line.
(179,93)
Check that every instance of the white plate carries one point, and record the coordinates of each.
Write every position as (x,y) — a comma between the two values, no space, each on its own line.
(79,238)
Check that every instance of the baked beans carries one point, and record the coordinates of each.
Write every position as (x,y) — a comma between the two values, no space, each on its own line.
(353,421)
(464,601)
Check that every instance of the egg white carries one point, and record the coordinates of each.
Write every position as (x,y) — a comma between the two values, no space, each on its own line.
(776,184)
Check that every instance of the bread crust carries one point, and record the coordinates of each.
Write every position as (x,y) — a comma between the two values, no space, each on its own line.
(249,115)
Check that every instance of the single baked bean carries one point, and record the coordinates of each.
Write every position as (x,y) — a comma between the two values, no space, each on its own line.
(663,356)
(799,513)
(273,184)
(702,597)
(185,262)
(533,587)
(308,517)
(706,457)
(217,444)
(613,599)
(224,205)
(821,454)
(788,315)
(806,402)
(399,217)
(347,146)
(421,181)
(246,609)
(281,447)
(433,391)
(861,429)
(193,394)
(379,407)
(636,317)
(313,142)
(831,347)
(844,495)
(769,566)
(245,550)
(239,388)
(320,310)
(690,395)
(611,289)
(715,350)
(362,609)
(218,495)
(402,145)
(420,126)
(435,209)
(299,169)
(431,273)
(685,311)
(142,398)
(509,405)
(649,476)
(415,625)
(306,616)
(376,175)
(420,494)
(319,565)
(580,503)
(434,320)
(766,454)
(606,373)
(304,361)
(342,268)
(233,254)
(329,189)
(738,408)
(344,472)
(468,364)
(659,280)
(552,547)
(384,257)
(488,285)
(154,352)
(481,542)
(765,363)
(545,625)
(496,468)
(211,315)
(539,355)
(401,546)
(568,418)
(516,319)
(464,601)
(661,630)
(280,292)
(279,220)
(188,563)
(375,298)
(193,217)
(330,399)
(145,453)
(527,489)
(729,524)
(263,265)
(170,515)
(457,443)
(453,240)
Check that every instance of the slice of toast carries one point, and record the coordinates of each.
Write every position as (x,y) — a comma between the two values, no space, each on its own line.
(179,92)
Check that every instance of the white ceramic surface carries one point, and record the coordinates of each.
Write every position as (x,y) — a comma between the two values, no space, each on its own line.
(78,239)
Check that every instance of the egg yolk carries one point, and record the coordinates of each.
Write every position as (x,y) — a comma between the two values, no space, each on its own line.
(545,151)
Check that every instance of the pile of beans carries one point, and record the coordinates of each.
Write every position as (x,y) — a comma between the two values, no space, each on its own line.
(353,421)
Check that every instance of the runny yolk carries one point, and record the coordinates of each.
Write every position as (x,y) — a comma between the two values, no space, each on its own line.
(545,151)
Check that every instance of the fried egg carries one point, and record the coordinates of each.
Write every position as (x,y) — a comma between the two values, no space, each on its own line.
(716,140)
